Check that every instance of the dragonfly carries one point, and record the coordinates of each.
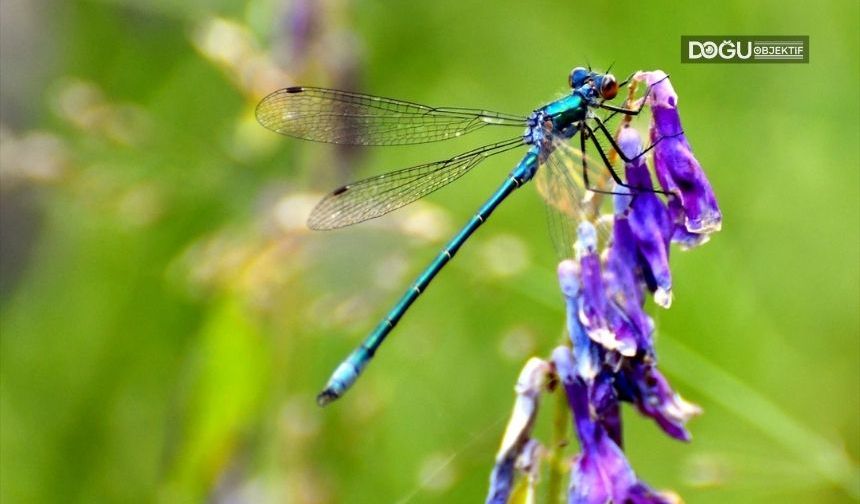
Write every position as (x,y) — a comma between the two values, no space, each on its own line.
(570,180)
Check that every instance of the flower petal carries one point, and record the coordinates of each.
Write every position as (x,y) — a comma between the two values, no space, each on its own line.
(603,475)
(531,381)
(587,356)
(677,169)
(649,218)
(593,304)
(642,383)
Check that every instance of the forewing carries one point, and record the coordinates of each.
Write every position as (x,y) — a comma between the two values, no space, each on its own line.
(343,117)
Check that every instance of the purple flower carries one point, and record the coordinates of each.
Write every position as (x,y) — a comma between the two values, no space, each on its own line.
(641,383)
(594,309)
(588,359)
(594,388)
(681,235)
(501,481)
(301,24)
(601,473)
(624,276)
(613,358)
(649,219)
(624,286)
(677,169)
(517,448)
(606,407)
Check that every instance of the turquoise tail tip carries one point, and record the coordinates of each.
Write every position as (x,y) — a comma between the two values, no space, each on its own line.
(326,397)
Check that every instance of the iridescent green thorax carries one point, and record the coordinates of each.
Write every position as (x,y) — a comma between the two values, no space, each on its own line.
(566,111)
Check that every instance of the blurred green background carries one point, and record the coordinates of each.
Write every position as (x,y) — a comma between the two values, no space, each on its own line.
(167,319)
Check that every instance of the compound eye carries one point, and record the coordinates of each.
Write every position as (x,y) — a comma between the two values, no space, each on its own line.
(608,87)
(578,76)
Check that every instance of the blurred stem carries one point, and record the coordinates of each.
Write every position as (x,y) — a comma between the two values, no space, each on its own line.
(557,446)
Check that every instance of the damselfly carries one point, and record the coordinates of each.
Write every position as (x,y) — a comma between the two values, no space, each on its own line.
(568,182)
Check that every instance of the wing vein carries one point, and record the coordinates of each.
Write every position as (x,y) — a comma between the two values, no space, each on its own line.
(378,195)
(331,116)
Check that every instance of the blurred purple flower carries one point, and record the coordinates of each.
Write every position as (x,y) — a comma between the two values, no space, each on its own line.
(301,26)
(677,169)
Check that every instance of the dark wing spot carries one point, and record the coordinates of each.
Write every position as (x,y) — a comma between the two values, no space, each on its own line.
(295,89)
(340,190)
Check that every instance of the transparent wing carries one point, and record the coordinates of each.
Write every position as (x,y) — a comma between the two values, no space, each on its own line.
(342,117)
(570,182)
(376,196)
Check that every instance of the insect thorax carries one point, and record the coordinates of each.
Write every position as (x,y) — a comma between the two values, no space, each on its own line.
(561,117)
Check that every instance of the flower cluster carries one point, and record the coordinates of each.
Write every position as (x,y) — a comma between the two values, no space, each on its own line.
(612,357)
